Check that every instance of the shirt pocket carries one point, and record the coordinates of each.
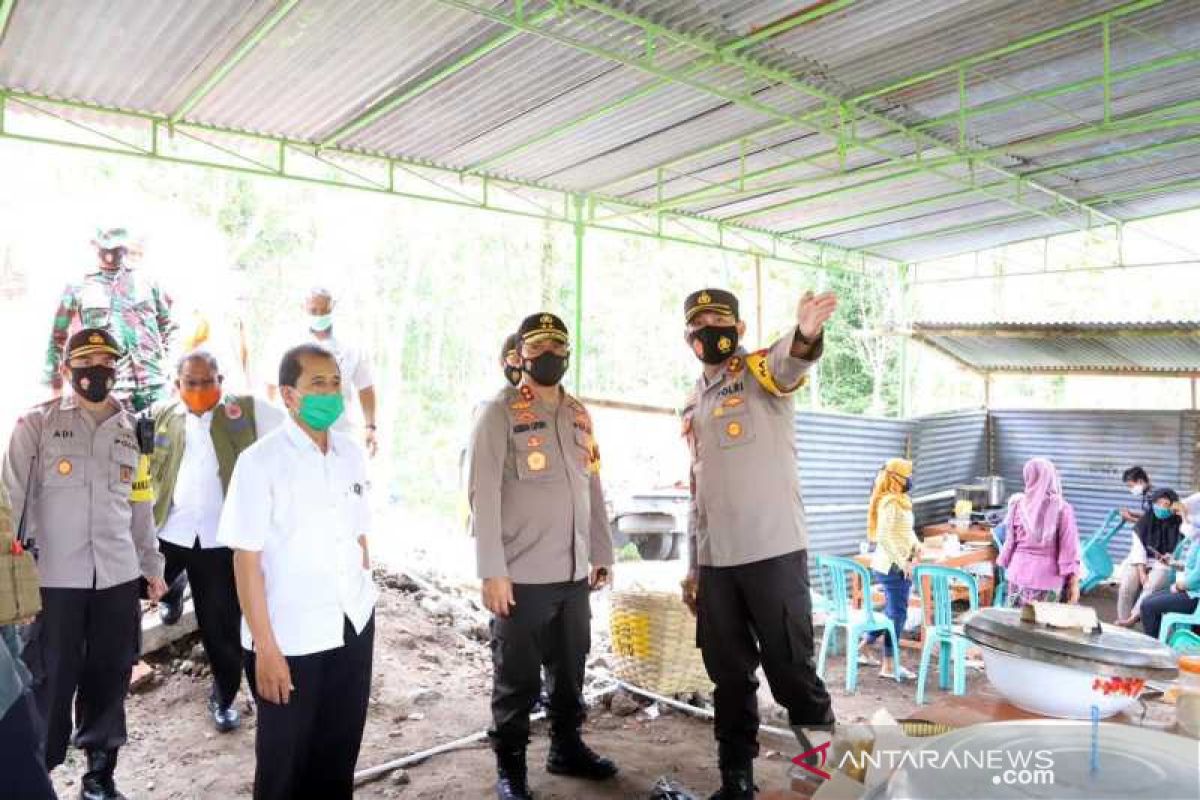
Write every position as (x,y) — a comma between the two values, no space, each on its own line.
(532,456)
(584,445)
(735,426)
(122,470)
(64,468)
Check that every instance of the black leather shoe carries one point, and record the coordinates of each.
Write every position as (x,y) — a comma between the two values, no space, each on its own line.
(170,605)
(224,719)
(512,776)
(570,756)
(736,784)
(98,783)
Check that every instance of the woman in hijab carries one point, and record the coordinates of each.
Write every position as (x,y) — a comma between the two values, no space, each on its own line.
(890,526)
(1041,550)
(1158,533)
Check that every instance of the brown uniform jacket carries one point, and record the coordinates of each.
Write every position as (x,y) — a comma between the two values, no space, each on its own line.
(537,506)
(739,426)
(79,476)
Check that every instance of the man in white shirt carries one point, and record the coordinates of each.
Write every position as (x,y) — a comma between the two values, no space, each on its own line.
(198,438)
(297,518)
(355,367)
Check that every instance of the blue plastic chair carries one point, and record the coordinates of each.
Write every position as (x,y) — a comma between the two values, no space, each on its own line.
(1000,590)
(841,573)
(1175,619)
(952,645)
(1094,555)
(1185,642)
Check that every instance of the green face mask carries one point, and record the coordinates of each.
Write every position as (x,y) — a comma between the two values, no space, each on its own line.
(320,323)
(320,411)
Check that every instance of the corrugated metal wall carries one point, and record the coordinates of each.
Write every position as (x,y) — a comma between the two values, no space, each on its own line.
(1092,448)
(948,450)
(839,456)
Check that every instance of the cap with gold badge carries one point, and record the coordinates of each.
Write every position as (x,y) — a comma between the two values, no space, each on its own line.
(717,300)
(544,325)
(90,341)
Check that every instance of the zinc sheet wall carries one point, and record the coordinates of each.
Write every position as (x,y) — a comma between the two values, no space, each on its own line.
(1092,449)
(948,450)
(839,456)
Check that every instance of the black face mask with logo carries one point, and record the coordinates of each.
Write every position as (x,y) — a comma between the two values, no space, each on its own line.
(547,369)
(717,343)
(93,383)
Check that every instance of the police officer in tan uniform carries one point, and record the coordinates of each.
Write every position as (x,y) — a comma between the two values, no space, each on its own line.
(542,540)
(90,511)
(748,541)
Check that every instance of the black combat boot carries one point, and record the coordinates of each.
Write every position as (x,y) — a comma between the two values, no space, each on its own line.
(512,776)
(570,756)
(737,783)
(97,783)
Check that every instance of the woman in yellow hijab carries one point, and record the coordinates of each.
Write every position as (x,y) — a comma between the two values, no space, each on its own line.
(890,527)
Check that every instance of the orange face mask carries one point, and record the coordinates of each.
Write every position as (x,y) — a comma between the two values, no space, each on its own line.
(200,401)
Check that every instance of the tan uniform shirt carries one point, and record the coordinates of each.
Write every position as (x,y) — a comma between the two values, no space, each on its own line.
(79,477)
(746,503)
(537,506)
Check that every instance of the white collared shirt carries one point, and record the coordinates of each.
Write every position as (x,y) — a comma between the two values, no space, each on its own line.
(304,511)
(198,496)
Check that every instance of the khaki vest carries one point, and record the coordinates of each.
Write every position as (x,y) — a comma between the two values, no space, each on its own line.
(233,430)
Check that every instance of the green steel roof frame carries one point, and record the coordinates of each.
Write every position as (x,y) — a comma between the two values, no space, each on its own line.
(846,110)
(1009,190)
(481,195)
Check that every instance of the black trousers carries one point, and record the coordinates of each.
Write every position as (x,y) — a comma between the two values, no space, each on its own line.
(751,614)
(23,773)
(551,626)
(81,651)
(214,594)
(307,749)
(1164,602)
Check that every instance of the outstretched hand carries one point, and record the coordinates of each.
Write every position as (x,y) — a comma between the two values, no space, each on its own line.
(813,312)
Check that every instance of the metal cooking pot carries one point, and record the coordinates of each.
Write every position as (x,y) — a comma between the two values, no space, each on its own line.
(994,486)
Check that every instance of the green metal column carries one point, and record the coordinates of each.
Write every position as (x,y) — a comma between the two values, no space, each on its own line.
(577,348)
(905,271)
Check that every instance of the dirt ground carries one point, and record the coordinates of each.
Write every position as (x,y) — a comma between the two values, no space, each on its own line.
(431,684)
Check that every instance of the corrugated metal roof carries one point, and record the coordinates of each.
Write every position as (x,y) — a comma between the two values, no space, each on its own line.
(703,120)
(1119,348)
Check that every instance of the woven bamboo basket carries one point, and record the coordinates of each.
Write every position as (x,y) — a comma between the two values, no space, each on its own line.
(654,643)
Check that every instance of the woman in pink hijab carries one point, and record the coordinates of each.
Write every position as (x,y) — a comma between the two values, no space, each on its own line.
(1041,550)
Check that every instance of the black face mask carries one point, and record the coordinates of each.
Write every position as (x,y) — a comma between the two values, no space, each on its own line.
(718,343)
(512,374)
(907,485)
(100,380)
(547,369)
(114,258)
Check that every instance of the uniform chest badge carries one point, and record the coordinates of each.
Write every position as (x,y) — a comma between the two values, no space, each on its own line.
(520,405)
(534,441)
(732,402)
(526,417)
(735,365)
(734,429)
(526,394)
(536,461)
(64,467)
(233,411)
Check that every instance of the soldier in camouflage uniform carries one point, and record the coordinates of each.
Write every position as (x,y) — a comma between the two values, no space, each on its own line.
(131,308)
